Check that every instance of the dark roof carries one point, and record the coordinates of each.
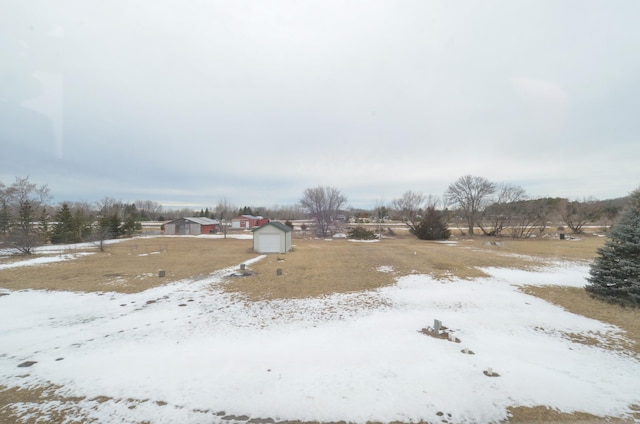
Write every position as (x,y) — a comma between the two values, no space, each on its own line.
(276,224)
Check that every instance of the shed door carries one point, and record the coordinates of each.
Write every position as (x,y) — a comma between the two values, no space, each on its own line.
(269,243)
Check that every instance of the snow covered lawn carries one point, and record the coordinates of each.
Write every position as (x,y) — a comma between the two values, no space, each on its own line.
(189,353)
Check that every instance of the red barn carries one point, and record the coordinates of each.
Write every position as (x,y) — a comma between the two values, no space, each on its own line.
(248,221)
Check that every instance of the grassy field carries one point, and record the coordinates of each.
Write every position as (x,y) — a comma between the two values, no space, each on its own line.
(318,267)
(315,267)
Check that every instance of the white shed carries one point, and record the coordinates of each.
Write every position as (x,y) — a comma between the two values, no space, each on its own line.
(273,237)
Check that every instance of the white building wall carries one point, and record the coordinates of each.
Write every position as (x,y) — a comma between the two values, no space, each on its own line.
(170,229)
(269,230)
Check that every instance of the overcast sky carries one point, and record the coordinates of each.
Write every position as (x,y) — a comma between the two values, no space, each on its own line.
(189,102)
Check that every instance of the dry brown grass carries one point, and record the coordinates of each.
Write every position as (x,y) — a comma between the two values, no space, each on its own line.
(12,396)
(543,414)
(132,265)
(579,302)
(319,267)
(315,267)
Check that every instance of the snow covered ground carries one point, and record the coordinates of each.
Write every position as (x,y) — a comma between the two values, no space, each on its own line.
(189,353)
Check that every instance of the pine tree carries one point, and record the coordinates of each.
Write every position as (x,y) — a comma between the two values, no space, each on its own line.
(433,226)
(5,219)
(109,227)
(615,273)
(64,230)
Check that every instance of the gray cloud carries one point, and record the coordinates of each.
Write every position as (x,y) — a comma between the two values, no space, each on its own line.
(256,101)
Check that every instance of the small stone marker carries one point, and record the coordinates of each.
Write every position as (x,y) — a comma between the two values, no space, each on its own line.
(279,271)
(242,267)
(161,273)
(436,327)
(490,373)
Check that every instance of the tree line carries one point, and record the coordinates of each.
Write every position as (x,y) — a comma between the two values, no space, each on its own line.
(614,275)
(27,219)
(471,203)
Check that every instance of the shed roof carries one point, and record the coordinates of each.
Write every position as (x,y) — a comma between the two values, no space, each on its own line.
(199,220)
(276,224)
(246,217)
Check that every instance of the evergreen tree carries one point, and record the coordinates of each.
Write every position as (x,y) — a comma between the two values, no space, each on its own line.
(131,211)
(4,219)
(109,226)
(615,273)
(130,222)
(130,226)
(433,226)
(64,230)
(44,221)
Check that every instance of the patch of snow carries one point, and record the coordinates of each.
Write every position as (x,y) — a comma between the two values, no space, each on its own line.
(385,268)
(53,248)
(558,274)
(43,260)
(364,241)
(183,351)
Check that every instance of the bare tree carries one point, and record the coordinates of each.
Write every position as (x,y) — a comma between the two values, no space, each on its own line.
(409,208)
(324,204)
(5,216)
(504,209)
(109,205)
(284,212)
(530,216)
(224,211)
(26,211)
(149,209)
(576,214)
(380,212)
(471,195)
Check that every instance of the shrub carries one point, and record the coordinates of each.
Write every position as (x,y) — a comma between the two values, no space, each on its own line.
(432,226)
(361,233)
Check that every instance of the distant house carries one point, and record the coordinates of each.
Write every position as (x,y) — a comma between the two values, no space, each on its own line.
(248,221)
(191,226)
(272,237)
